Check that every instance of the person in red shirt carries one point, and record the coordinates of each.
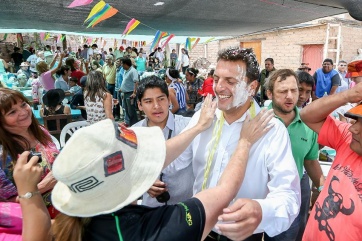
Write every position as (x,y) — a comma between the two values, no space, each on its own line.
(208,83)
(74,67)
(337,212)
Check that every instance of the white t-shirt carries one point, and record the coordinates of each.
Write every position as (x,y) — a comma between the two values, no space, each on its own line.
(32,60)
(185,60)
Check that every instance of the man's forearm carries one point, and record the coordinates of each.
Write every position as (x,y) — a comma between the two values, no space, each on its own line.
(319,109)
(314,171)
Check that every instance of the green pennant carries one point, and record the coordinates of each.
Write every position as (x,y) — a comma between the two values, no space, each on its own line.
(5,36)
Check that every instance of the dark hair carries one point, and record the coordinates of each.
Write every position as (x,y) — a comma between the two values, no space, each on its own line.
(85,46)
(192,71)
(70,62)
(174,73)
(342,61)
(73,79)
(328,60)
(151,82)
(127,61)
(212,71)
(16,49)
(306,78)
(62,69)
(110,49)
(94,45)
(14,144)
(271,60)
(241,54)
(283,74)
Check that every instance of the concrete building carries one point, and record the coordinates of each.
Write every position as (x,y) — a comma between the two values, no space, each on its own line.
(338,38)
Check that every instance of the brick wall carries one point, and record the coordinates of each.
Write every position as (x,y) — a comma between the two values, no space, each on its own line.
(351,41)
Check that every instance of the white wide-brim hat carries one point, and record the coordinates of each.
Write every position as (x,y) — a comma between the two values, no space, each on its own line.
(105,166)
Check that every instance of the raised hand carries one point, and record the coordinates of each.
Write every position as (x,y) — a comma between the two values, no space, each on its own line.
(207,113)
(253,129)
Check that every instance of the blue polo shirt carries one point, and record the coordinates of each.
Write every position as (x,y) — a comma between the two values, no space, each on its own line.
(303,141)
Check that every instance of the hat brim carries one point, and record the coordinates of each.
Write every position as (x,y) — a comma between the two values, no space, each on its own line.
(122,188)
(59,93)
(355,112)
(353,74)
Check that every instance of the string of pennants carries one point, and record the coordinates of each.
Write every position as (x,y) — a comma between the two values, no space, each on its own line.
(102,11)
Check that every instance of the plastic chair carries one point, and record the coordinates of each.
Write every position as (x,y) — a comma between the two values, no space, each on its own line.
(56,142)
(69,129)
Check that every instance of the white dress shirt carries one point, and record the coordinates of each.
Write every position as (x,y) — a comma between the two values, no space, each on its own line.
(179,184)
(271,176)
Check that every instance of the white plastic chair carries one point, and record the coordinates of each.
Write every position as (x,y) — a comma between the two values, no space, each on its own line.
(55,141)
(70,129)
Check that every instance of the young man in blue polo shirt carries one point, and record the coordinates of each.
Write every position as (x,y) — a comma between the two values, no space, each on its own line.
(283,89)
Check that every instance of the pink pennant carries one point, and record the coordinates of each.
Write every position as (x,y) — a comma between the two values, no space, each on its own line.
(129,24)
(89,40)
(77,3)
(42,35)
(168,40)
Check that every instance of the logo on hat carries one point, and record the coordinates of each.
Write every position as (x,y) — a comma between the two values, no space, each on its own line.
(113,163)
(85,184)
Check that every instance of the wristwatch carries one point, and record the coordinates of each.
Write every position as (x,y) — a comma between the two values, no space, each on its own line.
(28,195)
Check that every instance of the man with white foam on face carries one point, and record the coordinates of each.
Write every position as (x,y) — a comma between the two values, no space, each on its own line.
(269,198)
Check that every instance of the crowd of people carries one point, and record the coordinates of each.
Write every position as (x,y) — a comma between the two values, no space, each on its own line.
(228,157)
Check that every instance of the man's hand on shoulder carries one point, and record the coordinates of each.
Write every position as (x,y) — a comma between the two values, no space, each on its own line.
(240,219)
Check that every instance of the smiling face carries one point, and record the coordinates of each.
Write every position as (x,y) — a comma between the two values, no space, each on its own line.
(155,104)
(284,95)
(356,142)
(327,67)
(304,94)
(18,118)
(230,85)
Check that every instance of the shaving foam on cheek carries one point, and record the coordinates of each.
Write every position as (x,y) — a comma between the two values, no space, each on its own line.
(241,91)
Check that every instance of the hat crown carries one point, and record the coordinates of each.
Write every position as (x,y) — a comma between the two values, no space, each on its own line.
(106,163)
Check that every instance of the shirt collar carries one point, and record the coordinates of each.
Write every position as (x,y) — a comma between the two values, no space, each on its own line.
(170,121)
(296,118)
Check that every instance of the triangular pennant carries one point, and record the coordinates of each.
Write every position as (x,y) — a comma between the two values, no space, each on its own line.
(63,37)
(77,3)
(129,24)
(5,37)
(98,7)
(42,35)
(98,15)
(110,13)
(156,40)
(47,35)
(168,40)
(197,41)
(133,26)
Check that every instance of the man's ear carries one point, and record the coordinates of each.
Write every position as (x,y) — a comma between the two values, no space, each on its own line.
(253,85)
(139,105)
(269,94)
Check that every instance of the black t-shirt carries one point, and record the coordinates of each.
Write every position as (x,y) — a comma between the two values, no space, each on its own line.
(183,221)
(17,57)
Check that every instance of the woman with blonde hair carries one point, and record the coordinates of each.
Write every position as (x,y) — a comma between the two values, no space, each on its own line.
(97,99)
(46,73)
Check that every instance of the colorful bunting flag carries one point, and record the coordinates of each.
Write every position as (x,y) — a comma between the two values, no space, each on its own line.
(42,35)
(77,3)
(63,37)
(89,40)
(98,7)
(168,40)
(59,37)
(5,36)
(47,35)
(209,40)
(188,44)
(133,26)
(129,24)
(197,41)
(156,40)
(164,34)
(110,12)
